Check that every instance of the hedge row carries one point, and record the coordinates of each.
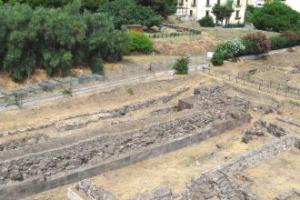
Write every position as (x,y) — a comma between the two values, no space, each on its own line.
(56,40)
(256,43)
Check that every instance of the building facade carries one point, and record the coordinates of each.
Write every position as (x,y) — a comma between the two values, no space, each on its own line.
(196,9)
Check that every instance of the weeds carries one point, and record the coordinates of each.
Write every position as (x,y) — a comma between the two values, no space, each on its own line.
(68,92)
(130,91)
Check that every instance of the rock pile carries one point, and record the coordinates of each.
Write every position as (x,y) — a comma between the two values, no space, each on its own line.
(255,131)
(276,131)
(94,192)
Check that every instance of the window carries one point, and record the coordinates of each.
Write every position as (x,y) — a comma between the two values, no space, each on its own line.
(191,13)
(219,2)
(238,3)
(207,3)
(194,3)
(237,14)
(207,13)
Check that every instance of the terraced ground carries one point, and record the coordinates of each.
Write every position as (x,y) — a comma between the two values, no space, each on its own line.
(168,130)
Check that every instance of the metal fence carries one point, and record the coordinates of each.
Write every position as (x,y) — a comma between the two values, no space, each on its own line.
(270,86)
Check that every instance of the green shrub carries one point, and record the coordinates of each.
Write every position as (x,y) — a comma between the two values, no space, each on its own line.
(292,37)
(139,42)
(278,42)
(56,40)
(256,43)
(228,50)
(181,65)
(276,16)
(217,59)
(231,48)
(285,39)
(207,21)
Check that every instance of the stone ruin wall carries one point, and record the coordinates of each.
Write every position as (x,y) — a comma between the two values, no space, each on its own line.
(35,172)
(217,183)
(81,120)
(38,171)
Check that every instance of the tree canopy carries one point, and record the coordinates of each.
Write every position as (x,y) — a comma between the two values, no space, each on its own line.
(276,16)
(124,12)
(162,7)
(223,12)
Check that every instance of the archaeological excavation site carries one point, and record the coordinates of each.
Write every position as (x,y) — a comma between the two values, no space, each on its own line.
(217,133)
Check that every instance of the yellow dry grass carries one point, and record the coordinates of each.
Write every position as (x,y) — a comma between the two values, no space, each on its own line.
(277,176)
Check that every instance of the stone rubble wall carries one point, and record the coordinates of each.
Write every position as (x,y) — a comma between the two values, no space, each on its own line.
(50,170)
(82,120)
(93,192)
(102,147)
(50,85)
(26,141)
(217,183)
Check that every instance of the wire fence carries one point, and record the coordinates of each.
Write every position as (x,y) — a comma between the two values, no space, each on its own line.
(270,86)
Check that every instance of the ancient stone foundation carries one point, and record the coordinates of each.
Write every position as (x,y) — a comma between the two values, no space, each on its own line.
(217,183)
(45,170)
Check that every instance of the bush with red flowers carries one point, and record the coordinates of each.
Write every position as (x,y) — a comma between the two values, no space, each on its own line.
(256,43)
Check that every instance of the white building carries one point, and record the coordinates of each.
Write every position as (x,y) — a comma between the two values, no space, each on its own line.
(196,9)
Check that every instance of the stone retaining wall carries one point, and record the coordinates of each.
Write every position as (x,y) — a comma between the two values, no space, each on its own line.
(218,182)
(49,85)
(93,192)
(84,119)
(45,164)
(102,147)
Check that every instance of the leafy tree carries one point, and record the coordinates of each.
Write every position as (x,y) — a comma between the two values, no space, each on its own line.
(162,7)
(125,12)
(276,16)
(91,5)
(223,12)
(56,39)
